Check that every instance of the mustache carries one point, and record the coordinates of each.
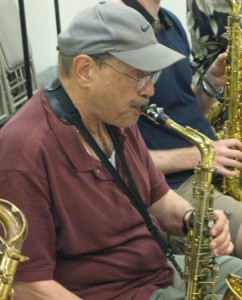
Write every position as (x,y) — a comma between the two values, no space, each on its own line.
(141,105)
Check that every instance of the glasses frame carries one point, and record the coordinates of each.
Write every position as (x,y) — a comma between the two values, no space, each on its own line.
(141,82)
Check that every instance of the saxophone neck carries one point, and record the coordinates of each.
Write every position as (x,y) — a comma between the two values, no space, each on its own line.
(202,142)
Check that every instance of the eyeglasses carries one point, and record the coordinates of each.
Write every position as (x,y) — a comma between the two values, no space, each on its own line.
(141,82)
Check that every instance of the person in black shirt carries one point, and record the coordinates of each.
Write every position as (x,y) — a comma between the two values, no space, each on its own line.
(174,155)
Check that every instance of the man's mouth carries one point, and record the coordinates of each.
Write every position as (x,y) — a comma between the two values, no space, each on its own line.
(142,105)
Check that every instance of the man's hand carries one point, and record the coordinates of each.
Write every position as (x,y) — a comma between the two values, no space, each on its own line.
(221,243)
(228,154)
(215,73)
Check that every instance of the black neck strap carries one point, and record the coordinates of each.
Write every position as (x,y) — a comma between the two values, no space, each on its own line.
(66,111)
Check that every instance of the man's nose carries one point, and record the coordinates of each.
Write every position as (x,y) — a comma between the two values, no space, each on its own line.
(148,90)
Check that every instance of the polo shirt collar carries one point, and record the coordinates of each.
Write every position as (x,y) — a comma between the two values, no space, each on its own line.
(69,139)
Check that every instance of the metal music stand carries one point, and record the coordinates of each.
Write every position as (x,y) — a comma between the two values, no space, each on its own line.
(57,16)
(25,48)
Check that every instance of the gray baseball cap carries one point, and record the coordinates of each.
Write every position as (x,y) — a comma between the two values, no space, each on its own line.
(120,31)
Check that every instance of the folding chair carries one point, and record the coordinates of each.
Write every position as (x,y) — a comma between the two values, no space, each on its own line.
(4,112)
(12,58)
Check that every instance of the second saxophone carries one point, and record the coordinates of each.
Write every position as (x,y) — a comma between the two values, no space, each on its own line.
(229,124)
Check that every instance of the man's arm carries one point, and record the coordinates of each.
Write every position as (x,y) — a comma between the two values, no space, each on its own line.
(175,160)
(171,209)
(42,290)
(228,154)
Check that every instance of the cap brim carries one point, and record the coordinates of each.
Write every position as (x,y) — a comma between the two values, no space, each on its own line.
(151,58)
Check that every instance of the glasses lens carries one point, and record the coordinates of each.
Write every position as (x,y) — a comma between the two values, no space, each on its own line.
(155,76)
(145,80)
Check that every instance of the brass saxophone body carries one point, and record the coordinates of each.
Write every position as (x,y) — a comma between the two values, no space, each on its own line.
(15,228)
(201,269)
(231,127)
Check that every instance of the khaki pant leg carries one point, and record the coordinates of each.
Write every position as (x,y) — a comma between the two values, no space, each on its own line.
(227,265)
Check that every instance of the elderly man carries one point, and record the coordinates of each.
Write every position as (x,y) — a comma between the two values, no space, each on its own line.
(73,160)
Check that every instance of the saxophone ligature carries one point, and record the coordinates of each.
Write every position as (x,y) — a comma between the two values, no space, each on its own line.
(201,269)
(15,228)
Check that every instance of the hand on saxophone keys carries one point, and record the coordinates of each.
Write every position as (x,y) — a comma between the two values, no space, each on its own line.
(215,74)
(221,243)
(228,155)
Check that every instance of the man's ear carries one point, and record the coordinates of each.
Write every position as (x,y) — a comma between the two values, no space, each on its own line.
(83,69)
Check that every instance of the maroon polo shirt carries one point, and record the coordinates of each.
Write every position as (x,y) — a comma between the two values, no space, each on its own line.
(83,231)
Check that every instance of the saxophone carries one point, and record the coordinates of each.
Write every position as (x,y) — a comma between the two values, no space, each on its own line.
(231,127)
(15,228)
(201,269)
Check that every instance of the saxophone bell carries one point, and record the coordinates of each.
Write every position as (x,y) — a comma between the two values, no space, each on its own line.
(234,291)
(15,229)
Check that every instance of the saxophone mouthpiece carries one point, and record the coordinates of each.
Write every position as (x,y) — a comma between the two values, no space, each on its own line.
(155,113)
